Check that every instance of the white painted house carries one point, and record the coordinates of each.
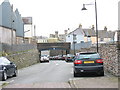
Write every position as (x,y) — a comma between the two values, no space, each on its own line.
(75,36)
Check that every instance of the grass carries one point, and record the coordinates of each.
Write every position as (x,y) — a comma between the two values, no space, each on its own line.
(4,84)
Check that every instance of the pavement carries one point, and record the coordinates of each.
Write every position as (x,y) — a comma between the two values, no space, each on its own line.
(97,82)
(80,82)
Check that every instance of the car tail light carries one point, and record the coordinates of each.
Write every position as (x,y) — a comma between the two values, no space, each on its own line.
(99,61)
(78,62)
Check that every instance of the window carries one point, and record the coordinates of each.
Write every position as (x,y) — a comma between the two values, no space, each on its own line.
(101,39)
(68,36)
(4,61)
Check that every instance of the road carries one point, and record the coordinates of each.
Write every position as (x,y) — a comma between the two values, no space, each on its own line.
(50,74)
(56,74)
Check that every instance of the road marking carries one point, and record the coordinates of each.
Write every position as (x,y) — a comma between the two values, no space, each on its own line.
(57,64)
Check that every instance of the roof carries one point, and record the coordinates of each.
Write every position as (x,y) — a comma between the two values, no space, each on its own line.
(105,34)
(77,31)
(89,32)
(27,20)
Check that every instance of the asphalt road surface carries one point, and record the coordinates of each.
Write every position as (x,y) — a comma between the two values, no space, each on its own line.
(52,74)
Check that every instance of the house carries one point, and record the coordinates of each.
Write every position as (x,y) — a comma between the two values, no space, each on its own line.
(28,29)
(7,27)
(75,36)
(42,39)
(79,38)
(105,36)
(19,28)
(58,37)
(90,35)
(86,37)
(11,24)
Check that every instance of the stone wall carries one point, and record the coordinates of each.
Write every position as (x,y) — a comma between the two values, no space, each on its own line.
(25,59)
(110,54)
(17,47)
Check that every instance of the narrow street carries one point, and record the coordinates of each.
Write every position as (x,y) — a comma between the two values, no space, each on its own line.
(57,74)
(52,74)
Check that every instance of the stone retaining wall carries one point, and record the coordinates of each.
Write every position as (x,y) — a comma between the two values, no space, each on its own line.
(111,55)
(25,59)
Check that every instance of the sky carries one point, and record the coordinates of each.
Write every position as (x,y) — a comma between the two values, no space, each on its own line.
(59,15)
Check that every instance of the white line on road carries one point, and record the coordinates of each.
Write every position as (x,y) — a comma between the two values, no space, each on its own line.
(57,64)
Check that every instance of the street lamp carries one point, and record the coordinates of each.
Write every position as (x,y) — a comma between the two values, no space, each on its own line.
(24,35)
(95,18)
(26,31)
(74,38)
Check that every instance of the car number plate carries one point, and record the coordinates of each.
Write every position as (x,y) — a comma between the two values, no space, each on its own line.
(88,61)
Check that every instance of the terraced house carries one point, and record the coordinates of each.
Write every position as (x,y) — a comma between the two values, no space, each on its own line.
(86,37)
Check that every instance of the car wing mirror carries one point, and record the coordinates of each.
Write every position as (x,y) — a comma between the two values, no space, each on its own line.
(11,63)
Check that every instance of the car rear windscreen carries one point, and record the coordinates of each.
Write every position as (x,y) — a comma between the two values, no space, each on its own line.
(83,56)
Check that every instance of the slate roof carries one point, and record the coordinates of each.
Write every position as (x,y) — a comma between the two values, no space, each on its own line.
(105,34)
(77,31)
(89,32)
(92,33)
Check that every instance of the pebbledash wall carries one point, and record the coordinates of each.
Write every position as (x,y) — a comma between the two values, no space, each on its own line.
(111,56)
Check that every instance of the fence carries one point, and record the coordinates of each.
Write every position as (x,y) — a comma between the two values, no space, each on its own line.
(16,48)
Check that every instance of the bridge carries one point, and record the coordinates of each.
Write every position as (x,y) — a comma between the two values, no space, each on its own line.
(54,46)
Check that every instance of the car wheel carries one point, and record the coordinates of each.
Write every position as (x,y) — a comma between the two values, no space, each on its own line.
(75,74)
(15,73)
(41,61)
(4,77)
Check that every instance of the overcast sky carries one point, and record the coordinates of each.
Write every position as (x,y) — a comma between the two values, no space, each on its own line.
(57,15)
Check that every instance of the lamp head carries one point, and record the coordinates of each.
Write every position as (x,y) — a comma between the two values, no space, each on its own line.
(83,7)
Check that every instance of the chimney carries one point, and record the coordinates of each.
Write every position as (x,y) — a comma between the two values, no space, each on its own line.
(65,32)
(80,26)
(56,34)
(93,28)
(105,28)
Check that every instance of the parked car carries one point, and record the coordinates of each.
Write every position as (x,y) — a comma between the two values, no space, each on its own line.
(51,58)
(63,57)
(88,63)
(7,69)
(44,58)
(69,58)
(60,57)
(55,57)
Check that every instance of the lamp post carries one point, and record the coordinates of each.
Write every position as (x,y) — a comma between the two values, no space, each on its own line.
(74,38)
(96,20)
(24,35)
